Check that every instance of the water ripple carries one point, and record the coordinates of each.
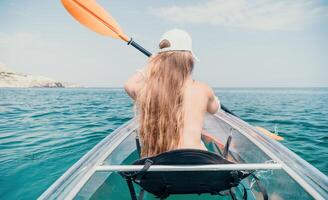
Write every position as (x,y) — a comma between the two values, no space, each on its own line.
(44,131)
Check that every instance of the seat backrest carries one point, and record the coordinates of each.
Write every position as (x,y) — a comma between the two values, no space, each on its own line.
(188,182)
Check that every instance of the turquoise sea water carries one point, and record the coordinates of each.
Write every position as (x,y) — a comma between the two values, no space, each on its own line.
(44,131)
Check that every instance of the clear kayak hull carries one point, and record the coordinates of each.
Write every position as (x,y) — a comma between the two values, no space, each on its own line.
(296,179)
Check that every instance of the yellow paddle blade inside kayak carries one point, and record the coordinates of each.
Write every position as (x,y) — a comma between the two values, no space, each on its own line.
(93,16)
(268,133)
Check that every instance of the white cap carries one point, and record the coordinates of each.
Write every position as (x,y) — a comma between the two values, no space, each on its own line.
(179,40)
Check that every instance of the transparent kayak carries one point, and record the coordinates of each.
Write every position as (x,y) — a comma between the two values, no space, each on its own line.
(283,174)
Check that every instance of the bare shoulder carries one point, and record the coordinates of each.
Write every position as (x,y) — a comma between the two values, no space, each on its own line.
(202,87)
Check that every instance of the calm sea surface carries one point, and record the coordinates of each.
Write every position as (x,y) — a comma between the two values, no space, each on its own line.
(44,131)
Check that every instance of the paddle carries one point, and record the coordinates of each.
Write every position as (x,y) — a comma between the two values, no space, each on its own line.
(268,133)
(93,16)
(90,14)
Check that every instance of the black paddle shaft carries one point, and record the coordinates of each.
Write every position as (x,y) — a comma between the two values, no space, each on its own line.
(147,53)
(140,48)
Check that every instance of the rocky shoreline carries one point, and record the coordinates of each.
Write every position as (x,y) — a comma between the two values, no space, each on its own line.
(11,79)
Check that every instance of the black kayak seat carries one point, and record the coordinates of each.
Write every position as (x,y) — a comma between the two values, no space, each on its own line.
(165,183)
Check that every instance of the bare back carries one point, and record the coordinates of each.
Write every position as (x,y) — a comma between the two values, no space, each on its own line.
(198,100)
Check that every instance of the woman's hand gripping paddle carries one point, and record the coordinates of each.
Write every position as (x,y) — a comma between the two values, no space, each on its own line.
(93,16)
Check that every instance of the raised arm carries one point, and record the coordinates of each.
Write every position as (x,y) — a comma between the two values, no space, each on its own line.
(134,84)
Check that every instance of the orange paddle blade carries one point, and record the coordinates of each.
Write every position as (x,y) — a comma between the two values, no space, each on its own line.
(268,133)
(93,16)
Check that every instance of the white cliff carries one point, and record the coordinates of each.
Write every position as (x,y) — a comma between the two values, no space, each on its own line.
(9,78)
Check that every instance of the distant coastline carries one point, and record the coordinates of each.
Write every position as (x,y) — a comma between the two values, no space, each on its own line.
(12,79)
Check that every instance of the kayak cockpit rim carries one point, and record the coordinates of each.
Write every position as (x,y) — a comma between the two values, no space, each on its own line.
(126,130)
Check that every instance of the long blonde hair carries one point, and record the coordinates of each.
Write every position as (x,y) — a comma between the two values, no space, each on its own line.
(160,101)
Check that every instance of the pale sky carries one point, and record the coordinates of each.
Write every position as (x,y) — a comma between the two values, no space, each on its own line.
(255,43)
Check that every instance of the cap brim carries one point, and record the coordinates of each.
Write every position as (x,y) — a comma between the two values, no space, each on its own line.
(195,57)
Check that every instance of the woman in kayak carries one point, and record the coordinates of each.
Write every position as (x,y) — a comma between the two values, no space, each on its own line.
(171,106)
